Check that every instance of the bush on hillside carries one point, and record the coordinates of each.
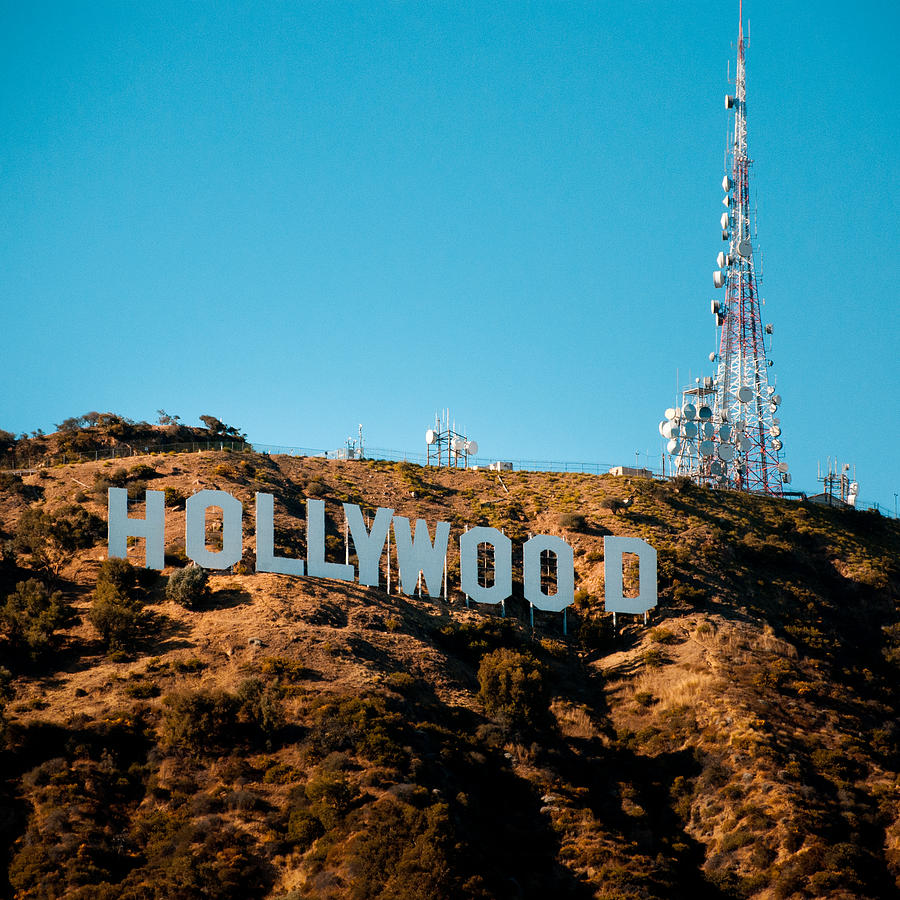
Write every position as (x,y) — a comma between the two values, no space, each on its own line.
(571,521)
(198,722)
(116,611)
(188,586)
(51,539)
(31,617)
(512,689)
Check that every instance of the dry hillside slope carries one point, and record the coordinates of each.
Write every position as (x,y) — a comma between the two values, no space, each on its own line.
(265,736)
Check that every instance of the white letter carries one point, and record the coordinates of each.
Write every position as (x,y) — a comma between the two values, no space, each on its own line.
(613,550)
(565,572)
(421,556)
(315,546)
(152,528)
(468,564)
(195,529)
(369,546)
(266,560)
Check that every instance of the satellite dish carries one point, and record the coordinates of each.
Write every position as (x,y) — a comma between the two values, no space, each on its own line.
(726,452)
(712,357)
(770,390)
(689,410)
(729,101)
(786,478)
(783,467)
(776,399)
(721,261)
(669,430)
(472,448)
(773,407)
(709,429)
(745,394)
(430,436)
(671,414)
(690,429)
(704,413)
(718,278)
(744,443)
(775,431)
(724,220)
(726,183)
(715,468)
(776,444)
(776,420)
(674,447)
(707,448)
(662,425)
(744,249)
(724,431)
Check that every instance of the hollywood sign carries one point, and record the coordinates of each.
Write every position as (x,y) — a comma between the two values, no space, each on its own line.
(418,556)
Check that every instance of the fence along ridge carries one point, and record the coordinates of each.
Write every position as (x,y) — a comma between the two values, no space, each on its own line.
(29,465)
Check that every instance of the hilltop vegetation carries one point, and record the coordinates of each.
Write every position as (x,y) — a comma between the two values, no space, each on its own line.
(237,735)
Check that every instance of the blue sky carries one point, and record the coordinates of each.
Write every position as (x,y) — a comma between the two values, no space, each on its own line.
(302,216)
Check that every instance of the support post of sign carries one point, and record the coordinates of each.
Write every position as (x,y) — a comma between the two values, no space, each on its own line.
(531,614)
(446,598)
(346,543)
(389,561)
(564,624)
(419,585)
(645,617)
(460,567)
(614,621)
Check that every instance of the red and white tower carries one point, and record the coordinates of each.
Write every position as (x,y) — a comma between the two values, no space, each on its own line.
(727,432)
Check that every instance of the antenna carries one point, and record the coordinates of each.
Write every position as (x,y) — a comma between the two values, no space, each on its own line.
(742,447)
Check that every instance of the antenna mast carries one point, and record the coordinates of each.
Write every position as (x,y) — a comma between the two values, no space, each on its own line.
(726,433)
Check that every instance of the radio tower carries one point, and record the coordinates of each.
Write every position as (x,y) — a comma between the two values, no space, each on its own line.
(726,432)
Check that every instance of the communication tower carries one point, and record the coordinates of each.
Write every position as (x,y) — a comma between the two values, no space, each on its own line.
(726,432)
(444,441)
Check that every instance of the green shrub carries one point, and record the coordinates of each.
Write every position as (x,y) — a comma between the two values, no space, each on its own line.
(194,723)
(188,586)
(31,617)
(405,853)
(303,828)
(117,618)
(330,796)
(116,612)
(512,689)
(174,497)
(572,521)
(50,539)
(259,706)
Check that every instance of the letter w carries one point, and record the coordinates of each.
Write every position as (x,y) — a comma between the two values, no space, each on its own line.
(421,555)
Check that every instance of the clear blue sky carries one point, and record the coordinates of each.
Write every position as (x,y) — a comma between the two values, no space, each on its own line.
(300,216)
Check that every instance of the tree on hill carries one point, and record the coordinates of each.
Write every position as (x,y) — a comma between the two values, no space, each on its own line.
(31,617)
(51,539)
(116,610)
(217,428)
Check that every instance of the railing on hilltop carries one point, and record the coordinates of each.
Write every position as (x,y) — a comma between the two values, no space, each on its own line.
(28,462)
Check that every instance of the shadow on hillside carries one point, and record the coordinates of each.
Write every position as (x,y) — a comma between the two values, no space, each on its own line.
(227,598)
(162,634)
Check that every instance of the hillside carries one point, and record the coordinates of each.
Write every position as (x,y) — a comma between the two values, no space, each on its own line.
(296,737)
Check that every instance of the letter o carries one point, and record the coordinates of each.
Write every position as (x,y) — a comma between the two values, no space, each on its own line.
(468,565)
(565,572)
(195,529)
